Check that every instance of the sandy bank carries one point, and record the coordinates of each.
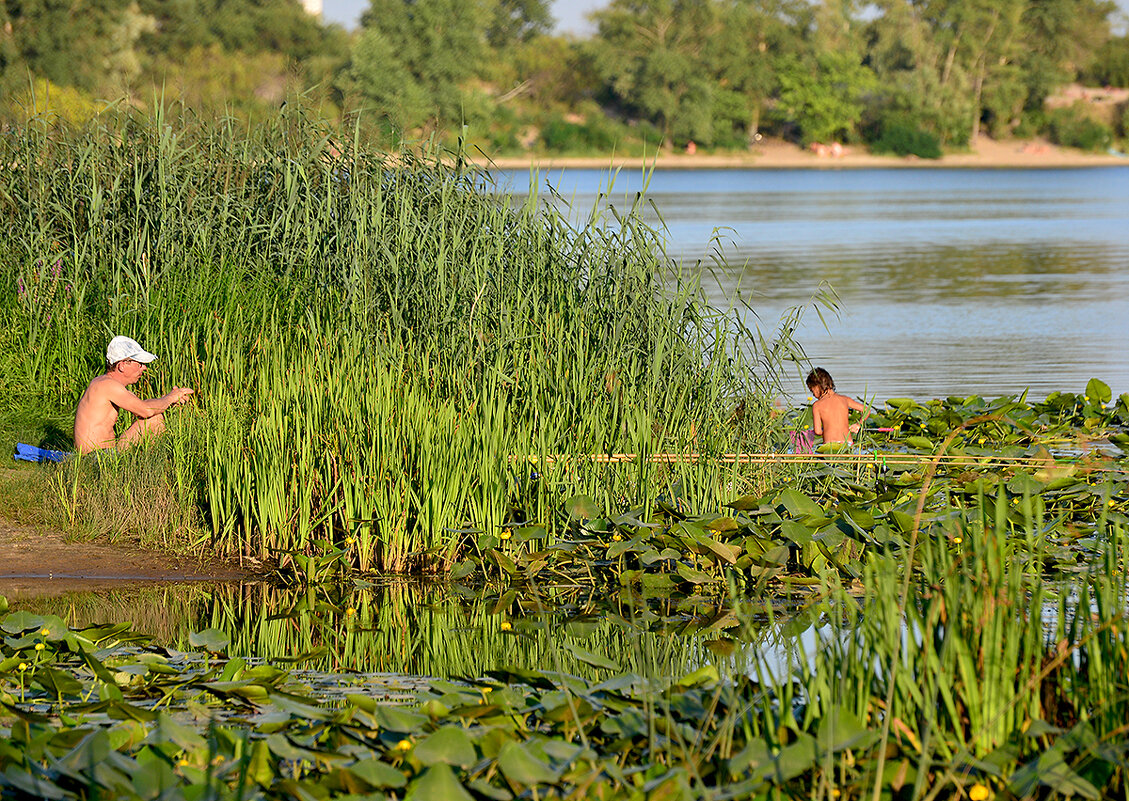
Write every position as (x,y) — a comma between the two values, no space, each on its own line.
(987,153)
(34,563)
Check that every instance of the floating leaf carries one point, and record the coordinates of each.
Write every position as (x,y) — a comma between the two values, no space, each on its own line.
(438,783)
(448,744)
(581,508)
(522,768)
(377,774)
(1098,391)
(212,640)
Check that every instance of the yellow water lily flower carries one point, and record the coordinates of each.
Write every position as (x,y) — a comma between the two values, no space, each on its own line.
(978,792)
(39,646)
(350,611)
(45,632)
(404,745)
(506,625)
(23,665)
(616,538)
(957,540)
(506,534)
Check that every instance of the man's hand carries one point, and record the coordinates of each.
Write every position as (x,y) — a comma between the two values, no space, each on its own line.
(182,394)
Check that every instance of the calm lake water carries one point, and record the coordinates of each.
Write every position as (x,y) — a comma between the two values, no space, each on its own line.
(951,282)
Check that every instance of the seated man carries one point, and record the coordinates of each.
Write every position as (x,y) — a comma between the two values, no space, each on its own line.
(107,394)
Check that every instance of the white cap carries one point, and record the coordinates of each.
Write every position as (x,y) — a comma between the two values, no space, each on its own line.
(121,348)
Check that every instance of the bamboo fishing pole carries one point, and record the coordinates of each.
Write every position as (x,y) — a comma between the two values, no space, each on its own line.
(953,459)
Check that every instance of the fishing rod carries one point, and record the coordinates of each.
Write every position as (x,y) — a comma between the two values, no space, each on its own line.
(952,459)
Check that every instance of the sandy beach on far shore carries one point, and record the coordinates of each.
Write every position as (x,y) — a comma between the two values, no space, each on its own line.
(773,154)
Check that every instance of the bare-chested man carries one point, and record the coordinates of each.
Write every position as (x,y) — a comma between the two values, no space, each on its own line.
(831,412)
(107,395)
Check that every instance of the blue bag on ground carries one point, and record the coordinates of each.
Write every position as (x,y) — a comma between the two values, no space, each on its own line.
(30,453)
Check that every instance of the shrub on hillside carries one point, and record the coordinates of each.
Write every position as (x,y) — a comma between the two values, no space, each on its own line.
(1071,127)
(594,134)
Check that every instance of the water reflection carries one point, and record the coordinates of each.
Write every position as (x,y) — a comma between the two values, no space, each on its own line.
(953,282)
(441,630)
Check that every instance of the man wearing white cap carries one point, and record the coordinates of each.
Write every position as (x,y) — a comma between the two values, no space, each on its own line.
(98,409)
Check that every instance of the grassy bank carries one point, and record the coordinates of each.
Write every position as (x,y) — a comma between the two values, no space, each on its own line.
(371,335)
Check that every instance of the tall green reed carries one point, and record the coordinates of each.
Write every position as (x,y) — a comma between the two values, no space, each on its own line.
(372,336)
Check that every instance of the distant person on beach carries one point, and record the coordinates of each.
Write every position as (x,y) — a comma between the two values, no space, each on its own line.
(831,412)
(107,395)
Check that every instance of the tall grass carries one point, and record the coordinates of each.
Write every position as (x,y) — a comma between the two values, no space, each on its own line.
(372,336)
(990,665)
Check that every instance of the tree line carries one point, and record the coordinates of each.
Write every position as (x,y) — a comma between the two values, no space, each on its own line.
(899,75)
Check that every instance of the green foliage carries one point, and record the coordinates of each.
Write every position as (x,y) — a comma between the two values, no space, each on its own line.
(1003,686)
(514,22)
(1073,127)
(410,60)
(824,99)
(898,135)
(595,134)
(712,71)
(646,54)
(88,45)
(51,103)
(1110,64)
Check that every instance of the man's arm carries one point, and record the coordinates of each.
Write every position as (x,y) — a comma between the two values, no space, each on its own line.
(144,409)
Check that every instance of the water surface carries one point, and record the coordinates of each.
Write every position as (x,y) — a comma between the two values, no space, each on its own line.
(952,282)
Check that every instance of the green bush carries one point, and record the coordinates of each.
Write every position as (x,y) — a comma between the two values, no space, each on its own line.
(901,137)
(1032,123)
(1071,127)
(594,134)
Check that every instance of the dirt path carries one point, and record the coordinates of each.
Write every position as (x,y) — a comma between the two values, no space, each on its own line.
(34,562)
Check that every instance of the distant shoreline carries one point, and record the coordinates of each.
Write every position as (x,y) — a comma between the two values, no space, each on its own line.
(987,154)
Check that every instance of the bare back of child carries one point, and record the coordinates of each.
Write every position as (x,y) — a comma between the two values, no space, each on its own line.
(831,412)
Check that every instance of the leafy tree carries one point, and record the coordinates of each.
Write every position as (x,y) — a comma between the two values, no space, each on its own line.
(650,55)
(412,56)
(246,26)
(1059,40)
(751,36)
(1110,64)
(517,21)
(89,44)
(824,98)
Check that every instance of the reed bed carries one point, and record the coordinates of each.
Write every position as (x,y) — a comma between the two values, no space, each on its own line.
(371,335)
